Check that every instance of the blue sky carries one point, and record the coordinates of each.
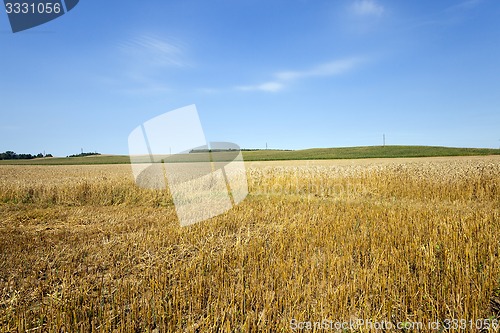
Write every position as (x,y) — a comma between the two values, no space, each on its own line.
(293,73)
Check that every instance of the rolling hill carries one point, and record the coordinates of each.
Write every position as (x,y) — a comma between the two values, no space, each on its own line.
(276,155)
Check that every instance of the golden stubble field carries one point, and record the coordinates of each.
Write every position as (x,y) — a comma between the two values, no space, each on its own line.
(390,241)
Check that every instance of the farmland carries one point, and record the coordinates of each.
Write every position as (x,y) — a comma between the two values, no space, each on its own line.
(386,240)
(285,155)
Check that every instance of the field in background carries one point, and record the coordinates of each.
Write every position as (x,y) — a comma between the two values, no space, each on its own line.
(84,249)
(280,155)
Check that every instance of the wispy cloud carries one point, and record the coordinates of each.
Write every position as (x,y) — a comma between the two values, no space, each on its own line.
(271,86)
(465,5)
(335,67)
(154,51)
(284,78)
(450,16)
(144,62)
(367,8)
(144,85)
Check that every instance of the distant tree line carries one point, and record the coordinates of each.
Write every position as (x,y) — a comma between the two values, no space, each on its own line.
(84,154)
(10,155)
(192,151)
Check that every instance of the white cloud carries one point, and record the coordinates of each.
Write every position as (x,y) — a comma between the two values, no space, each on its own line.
(464,5)
(327,69)
(154,51)
(143,63)
(451,16)
(332,68)
(268,86)
(367,8)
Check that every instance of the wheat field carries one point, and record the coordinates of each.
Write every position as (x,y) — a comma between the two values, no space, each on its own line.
(389,241)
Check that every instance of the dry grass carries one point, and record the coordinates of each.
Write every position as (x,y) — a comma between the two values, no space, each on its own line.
(84,249)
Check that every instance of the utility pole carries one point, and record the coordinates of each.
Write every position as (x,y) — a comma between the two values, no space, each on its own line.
(384,138)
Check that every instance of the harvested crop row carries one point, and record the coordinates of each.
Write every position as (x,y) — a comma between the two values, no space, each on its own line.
(84,249)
